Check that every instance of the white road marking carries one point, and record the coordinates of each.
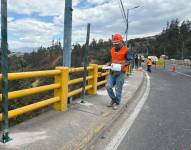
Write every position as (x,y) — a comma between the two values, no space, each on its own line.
(183,74)
(113,145)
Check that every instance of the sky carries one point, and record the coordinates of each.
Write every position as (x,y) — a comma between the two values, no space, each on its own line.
(34,23)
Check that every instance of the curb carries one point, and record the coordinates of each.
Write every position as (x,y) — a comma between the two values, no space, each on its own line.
(92,135)
(138,89)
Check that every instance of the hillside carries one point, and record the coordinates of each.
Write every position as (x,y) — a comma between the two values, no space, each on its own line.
(174,41)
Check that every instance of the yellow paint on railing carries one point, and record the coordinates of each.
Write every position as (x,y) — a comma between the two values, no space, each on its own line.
(93,72)
(99,74)
(129,68)
(32,74)
(62,92)
(100,66)
(74,81)
(72,70)
(30,91)
(29,108)
(72,93)
(160,62)
(105,73)
(102,74)
(101,82)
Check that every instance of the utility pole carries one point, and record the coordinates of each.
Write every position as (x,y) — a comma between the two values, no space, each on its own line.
(85,55)
(127,21)
(67,46)
(164,57)
(127,25)
(4,63)
(182,50)
(164,51)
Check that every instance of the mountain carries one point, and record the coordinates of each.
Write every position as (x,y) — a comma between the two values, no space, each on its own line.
(25,49)
(17,54)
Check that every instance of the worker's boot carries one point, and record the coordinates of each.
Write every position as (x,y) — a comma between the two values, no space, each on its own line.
(110,104)
(115,106)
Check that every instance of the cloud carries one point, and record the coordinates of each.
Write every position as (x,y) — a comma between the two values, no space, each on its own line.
(104,15)
(31,32)
(43,7)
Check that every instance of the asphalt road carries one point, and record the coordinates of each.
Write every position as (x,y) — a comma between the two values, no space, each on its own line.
(164,123)
(184,69)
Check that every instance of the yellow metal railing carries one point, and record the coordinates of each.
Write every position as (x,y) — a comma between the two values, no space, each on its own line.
(31,107)
(33,74)
(30,91)
(60,87)
(160,63)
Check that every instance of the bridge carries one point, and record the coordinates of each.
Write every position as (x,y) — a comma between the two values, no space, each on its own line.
(155,110)
(92,124)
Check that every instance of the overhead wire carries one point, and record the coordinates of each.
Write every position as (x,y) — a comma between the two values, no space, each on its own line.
(123,9)
(122,12)
(121,6)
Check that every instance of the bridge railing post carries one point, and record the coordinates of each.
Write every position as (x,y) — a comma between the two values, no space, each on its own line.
(129,69)
(62,92)
(93,72)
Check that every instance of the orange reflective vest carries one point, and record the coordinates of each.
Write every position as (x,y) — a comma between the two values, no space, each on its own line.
(120,57)
(149,62)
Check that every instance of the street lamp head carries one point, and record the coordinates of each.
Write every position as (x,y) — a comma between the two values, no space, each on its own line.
(136,6)
(133,7)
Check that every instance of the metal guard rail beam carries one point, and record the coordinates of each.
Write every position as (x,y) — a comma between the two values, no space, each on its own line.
(32,74)
(100,66)
(78,80)
(29,108)
(72,70)
(72,93)
(31,91)
(101,82)
(100,74)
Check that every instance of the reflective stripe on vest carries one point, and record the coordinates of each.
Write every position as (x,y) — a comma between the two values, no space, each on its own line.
(120,56)
(119,61)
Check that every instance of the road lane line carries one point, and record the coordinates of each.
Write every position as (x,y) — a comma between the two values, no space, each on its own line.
(113,145)
(183,74)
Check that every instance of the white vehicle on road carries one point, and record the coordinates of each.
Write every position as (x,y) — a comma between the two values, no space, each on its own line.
(187,62)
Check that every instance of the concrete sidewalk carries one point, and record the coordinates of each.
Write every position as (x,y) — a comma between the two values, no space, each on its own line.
(74,129)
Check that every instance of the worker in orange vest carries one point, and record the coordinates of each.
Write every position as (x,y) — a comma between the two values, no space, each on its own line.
(121,58)
(149,64)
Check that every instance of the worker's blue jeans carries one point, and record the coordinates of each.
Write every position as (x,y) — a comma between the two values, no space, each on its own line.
(149,68)
(115,80)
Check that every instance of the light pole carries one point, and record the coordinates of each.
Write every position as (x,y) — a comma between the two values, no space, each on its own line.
(181,41)
(4,62)
(126,32)
(182,50)
(67,33)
